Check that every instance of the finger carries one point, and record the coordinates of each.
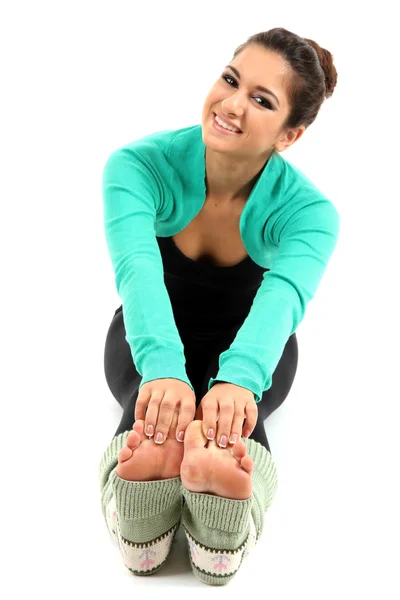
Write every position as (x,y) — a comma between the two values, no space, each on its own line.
(226,412)
(164,419)
(209,408)
(152,413)
(237,425)
(251,411)
(186,416)
(174,423)
(142,401)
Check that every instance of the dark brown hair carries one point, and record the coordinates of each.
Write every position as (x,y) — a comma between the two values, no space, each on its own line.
(313,76)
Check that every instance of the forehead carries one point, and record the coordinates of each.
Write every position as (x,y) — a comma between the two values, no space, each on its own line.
(259,66)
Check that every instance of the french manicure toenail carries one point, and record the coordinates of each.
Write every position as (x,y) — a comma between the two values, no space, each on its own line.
(233,439)
(150,430)
(159,438)
(180,436)
(210,434)
(223,441)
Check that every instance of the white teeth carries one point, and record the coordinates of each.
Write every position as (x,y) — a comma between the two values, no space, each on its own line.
(225,125)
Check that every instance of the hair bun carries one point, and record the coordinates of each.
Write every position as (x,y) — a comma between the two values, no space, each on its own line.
(326,62)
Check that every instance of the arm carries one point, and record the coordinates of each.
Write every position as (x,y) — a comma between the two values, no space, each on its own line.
(222,532)
(142,516)
(133,193)
(305,244)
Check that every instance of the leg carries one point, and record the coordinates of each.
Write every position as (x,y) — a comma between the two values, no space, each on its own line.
(120,372)
(282,380)
(272,398)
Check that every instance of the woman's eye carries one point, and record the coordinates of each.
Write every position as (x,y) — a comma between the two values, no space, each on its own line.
(265,102)
(226,77)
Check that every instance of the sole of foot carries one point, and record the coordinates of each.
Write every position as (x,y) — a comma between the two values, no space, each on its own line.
(141,459)
(207,468)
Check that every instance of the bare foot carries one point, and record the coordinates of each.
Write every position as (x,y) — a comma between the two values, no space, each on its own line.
(207,468)
(143,460)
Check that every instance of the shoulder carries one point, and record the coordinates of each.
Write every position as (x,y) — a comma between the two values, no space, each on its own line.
(156,144)
(149,147)
(158,155)
(304,202)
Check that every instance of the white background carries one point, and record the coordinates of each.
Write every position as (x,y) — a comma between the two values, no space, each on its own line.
(80,79)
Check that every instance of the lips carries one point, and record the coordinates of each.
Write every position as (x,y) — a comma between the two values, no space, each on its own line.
(228,122)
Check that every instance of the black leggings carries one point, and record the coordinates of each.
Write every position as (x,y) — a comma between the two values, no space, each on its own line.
(201,364)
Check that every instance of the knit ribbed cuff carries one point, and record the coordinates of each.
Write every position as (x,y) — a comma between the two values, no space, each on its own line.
(147,509)
(109,457)
(166,365)
(265,476)
(242,370)
(145,499)
(219,513)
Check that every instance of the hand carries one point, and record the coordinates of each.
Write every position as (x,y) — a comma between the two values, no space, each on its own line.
(235,403)
(161,397)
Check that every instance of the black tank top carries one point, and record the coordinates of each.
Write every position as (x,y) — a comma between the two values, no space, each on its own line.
(207,299)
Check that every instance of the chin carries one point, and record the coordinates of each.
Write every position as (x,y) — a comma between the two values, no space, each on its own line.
(212,143)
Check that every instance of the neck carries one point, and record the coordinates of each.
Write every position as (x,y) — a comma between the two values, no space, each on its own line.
(230,180)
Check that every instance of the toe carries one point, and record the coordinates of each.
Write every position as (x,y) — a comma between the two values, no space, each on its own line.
(247,463)
(239,449)
(194,437)
(133,439)
(124,454)
(138,428)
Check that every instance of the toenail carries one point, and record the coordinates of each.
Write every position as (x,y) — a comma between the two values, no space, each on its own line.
(180,436)
(159,438)
(150,429)
(210,434)
(223,441)
(233,438)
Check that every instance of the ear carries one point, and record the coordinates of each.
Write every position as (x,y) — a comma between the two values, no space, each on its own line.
(291,136)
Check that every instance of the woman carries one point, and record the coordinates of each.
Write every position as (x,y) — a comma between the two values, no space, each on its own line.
(242,241)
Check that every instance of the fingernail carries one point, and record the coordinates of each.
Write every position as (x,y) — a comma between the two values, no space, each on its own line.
(223,442)
(210,434)
(180,436)
(159,438)
(150,430)
(233,438)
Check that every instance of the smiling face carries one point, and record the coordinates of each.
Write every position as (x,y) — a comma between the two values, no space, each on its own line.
(236,95)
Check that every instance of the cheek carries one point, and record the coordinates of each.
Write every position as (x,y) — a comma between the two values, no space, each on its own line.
(209,102)
(206,112)
(213,97)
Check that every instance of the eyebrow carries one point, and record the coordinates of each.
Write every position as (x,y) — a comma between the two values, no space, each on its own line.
(259,87)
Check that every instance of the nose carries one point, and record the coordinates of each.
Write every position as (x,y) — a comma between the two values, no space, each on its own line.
(233,105)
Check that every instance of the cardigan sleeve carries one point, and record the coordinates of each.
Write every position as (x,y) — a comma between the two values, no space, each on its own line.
(133,186)
(306,241)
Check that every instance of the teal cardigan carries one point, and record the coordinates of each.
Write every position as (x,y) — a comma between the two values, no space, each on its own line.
(155,186)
